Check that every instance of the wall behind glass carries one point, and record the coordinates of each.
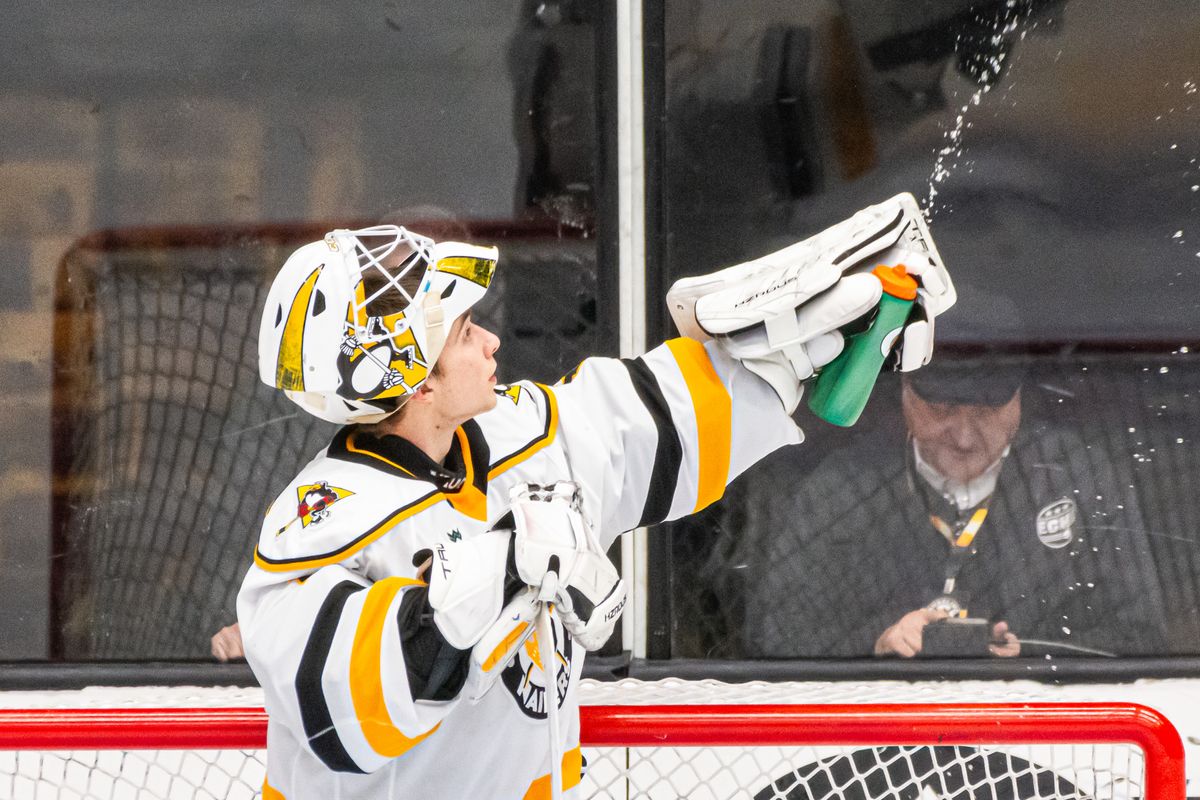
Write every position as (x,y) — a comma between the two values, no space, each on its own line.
(160,162)
(1054,146)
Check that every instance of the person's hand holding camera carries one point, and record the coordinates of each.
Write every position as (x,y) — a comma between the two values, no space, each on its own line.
(1004,642)
(904,638)
(932,633)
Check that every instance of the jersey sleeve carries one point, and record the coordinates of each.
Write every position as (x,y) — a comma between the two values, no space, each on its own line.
(328,652)
(661,436)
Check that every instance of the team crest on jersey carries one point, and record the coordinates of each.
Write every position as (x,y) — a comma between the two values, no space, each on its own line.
(1056,523)
(511,392)
(314,500)
(525,680)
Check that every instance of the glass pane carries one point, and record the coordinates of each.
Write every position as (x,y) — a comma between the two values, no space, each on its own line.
(1054,151)
(161,162)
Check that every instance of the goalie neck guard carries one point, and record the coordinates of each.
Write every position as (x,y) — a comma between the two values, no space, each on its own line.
(354,323)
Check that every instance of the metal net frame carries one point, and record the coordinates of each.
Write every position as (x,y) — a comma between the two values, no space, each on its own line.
(640,749)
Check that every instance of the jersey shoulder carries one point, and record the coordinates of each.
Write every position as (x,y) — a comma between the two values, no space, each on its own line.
(524,421)
(332,510)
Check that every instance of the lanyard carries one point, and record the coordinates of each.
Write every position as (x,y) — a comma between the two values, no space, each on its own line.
(960,544)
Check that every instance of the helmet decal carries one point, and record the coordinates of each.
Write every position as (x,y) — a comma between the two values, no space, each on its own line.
(289,369)
(476,270)
(381,369)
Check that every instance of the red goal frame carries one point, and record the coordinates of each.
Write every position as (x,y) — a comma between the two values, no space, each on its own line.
(673,726)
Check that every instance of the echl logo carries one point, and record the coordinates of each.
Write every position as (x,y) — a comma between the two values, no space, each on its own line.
(314,501)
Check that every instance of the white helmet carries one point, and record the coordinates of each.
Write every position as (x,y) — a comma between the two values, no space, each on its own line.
(318,343)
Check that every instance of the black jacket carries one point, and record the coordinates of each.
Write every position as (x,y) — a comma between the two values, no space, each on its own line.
(821,565)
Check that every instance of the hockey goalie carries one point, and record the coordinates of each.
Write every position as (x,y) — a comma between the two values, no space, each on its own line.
(424,591)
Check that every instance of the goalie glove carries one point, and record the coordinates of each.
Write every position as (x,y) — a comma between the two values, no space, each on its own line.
(780,314)
(591,605)
(484,590)
(551,535)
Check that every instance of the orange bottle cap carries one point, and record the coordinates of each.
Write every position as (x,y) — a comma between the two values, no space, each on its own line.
(896,281)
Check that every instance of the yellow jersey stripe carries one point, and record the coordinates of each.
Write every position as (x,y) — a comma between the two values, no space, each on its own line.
(468,500)
(572,772)
(714,418)
(271,793)
(537,444)
(293,565)
(366,678)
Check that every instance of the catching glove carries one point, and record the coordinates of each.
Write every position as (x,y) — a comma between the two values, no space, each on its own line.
(780,314)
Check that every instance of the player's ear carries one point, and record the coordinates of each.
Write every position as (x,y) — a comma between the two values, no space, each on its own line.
(425,391)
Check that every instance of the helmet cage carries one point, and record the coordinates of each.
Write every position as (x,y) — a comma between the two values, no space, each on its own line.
(388,341)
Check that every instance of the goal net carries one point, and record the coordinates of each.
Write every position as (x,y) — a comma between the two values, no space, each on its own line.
(168,448)
(177,744)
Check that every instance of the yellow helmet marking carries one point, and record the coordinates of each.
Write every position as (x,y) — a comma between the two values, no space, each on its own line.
(289,367)
(476,270)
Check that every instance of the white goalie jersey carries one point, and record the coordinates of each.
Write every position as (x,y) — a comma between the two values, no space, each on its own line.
(647,439)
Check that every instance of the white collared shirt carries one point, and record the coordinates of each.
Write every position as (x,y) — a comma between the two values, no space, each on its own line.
(966,495)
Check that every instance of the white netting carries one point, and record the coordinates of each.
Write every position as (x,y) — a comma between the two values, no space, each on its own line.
(782,773)
(132,775)
(1063,770)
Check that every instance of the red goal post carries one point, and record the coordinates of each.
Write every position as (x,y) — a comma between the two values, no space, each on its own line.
(667,726)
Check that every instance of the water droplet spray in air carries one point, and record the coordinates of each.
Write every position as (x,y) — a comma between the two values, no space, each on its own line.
(949,156)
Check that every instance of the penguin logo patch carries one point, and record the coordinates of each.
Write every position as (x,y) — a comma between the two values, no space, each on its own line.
(511,392)
(1056,523)
(526,681)
(314,500)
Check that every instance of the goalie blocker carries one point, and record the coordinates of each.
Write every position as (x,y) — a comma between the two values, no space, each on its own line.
(781,315)
(484,591)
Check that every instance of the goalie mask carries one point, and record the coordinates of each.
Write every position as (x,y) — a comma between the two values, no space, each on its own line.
(354,323)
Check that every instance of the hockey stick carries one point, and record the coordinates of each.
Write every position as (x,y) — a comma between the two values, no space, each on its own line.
(545,635)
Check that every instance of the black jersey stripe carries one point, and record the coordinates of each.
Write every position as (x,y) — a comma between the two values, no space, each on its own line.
(314,710)
(478,454)
(668,453)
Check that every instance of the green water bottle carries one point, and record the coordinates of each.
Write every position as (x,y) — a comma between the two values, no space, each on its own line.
(844,385)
